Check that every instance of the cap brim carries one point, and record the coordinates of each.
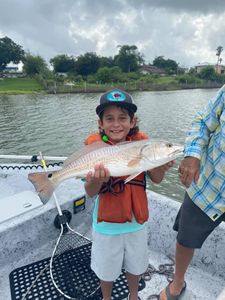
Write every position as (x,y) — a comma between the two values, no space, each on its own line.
(129,106)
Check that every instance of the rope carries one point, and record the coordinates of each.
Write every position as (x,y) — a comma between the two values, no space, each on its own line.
(29,167)
(163,269)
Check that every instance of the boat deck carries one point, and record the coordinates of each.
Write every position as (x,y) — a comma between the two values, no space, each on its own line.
(200,285)
(31,237)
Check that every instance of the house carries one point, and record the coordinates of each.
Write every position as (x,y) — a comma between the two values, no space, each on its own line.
(219,69)
(10,70)
(150,69)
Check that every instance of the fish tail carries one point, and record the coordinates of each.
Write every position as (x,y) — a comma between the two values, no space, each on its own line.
(43,184)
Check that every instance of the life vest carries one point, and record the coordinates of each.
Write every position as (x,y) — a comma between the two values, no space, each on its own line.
(119,201)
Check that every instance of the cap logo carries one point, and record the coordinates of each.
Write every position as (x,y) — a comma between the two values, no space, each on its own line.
(115,96)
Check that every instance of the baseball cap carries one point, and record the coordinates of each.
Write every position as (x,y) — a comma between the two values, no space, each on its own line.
(114,97)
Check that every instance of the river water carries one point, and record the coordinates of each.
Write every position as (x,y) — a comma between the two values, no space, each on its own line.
(58,124)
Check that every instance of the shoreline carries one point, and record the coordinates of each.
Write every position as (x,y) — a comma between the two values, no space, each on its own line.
(104,88)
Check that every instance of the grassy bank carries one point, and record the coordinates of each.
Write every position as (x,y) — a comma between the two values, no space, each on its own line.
(166,83)
(19,86)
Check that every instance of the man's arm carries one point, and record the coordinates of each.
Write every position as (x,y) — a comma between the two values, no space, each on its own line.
(203,125)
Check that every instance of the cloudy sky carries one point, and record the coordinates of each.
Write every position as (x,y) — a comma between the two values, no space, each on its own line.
(188,31)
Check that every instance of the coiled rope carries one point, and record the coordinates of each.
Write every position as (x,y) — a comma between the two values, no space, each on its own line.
(163,269)
(29,167)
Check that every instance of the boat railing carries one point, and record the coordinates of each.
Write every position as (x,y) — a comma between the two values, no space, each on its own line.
(32,158)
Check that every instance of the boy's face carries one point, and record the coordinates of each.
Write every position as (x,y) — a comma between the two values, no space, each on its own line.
(116,123)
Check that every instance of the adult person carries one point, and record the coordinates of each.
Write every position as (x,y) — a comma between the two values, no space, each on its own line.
(202,171)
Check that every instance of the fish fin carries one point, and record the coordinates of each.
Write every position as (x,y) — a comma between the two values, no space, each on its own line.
(43,185)
(85,150)
(132,177)
(134,162)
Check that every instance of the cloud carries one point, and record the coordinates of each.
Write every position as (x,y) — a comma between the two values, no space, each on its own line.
(186,31)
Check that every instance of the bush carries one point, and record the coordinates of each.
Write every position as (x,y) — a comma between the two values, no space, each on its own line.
(188,79)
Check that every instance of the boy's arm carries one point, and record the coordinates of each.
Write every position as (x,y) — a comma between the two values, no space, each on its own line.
(95,180)
(157,174)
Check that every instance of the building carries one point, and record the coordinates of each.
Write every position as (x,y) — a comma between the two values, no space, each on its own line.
(10,70)
(219,69)
(150,69)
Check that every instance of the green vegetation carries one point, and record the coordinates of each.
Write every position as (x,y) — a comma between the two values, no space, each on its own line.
(89,72)
(10,51)
(19,86)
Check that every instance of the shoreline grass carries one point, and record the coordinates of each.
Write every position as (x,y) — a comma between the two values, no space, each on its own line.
(20,86)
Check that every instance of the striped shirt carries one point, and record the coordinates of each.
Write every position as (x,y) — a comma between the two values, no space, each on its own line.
(206,141)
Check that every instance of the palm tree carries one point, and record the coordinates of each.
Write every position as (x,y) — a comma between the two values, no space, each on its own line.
(218,53)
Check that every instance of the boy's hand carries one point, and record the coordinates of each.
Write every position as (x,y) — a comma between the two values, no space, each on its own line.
(158,173)
(168,165)
(189,170)
(99,176)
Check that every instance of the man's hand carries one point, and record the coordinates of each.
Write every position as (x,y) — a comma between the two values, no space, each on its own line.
(189,170)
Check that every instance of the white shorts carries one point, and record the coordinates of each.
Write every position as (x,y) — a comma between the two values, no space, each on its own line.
(111,253)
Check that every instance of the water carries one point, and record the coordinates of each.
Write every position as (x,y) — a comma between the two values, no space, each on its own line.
(58,124)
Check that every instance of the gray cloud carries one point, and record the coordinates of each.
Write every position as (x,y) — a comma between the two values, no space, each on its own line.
(187,31)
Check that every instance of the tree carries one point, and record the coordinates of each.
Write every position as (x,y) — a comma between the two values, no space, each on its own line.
(104,75)
(10,52)
(107,75)
(128,58)
(34,65)
(106,62)
(63,63)
(87,64)
(169,65)
(208,73)
(218,53)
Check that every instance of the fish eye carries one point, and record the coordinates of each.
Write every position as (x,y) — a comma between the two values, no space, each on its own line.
(169,145)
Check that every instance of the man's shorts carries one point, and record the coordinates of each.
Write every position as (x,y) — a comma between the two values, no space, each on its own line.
(193,225)
(111,253)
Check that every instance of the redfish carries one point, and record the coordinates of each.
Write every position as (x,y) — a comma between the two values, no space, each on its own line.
(122,159)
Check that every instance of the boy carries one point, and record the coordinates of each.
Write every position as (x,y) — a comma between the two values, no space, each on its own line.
(119,239)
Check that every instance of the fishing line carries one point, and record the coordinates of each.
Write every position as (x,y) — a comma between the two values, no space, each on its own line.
(69,265)
(65,275)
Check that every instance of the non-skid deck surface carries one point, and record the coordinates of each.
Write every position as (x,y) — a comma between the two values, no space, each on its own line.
(78,261)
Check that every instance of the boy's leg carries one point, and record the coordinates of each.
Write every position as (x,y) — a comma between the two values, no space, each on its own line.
(106,287)
(133,281)
(107,259)
(136,259)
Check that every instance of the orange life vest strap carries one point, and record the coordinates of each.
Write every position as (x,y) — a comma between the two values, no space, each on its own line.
(118,181)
